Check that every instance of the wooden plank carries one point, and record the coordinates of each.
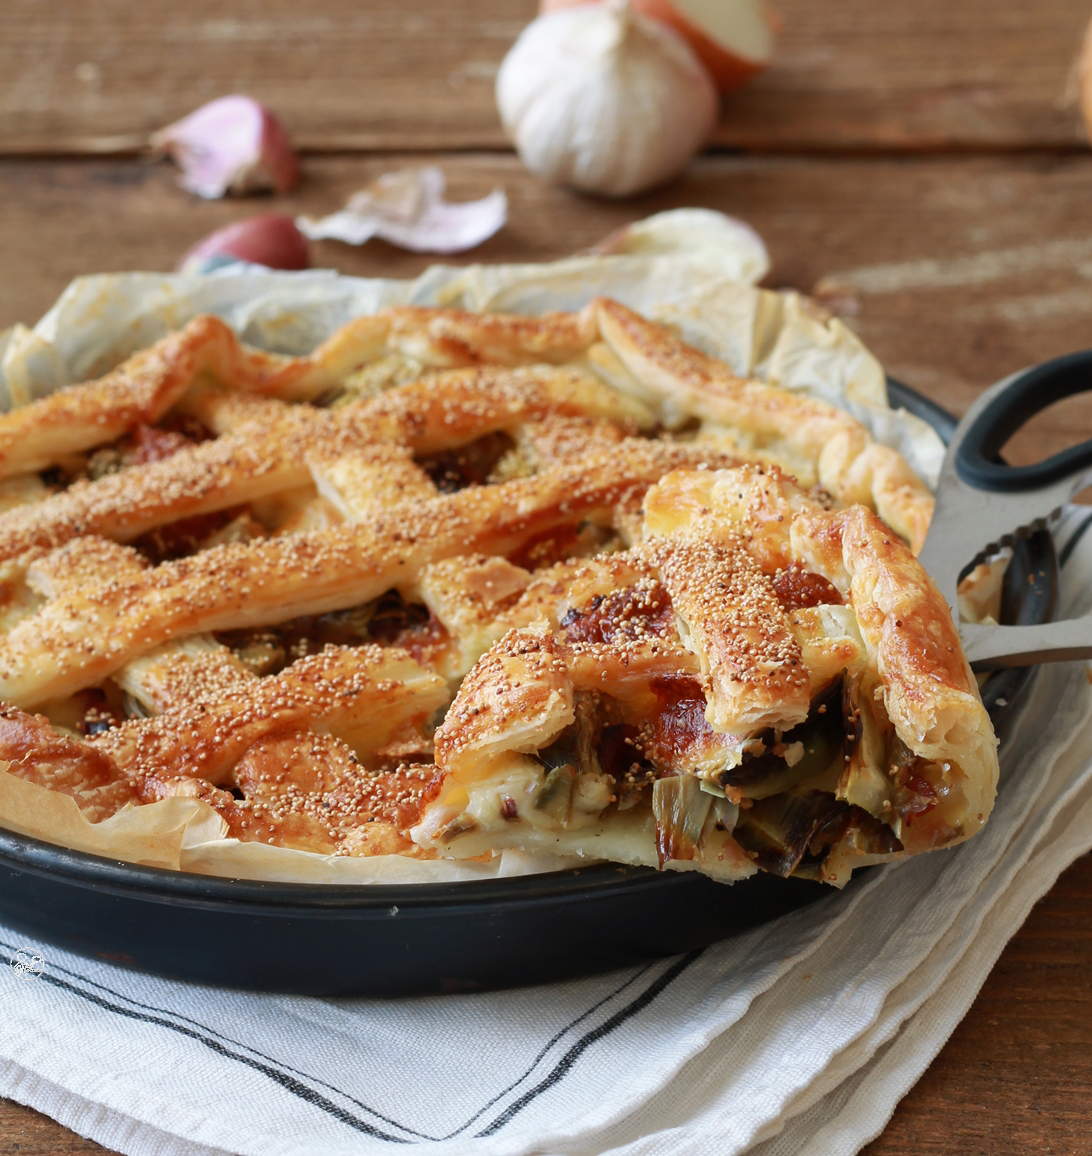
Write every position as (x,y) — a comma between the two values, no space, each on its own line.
(849,74)
(29,1133)
(99,77)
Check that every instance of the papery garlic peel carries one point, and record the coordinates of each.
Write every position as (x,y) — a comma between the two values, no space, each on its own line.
(231,145)
(407,208)
(734,39)
(603,99)
(270,239)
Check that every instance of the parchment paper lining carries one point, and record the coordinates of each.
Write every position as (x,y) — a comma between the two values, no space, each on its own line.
(99,321)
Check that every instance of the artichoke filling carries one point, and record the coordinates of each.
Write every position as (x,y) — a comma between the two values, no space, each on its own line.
(837,791)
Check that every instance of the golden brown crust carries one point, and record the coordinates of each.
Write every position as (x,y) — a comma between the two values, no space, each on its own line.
(815,439)
(517,698)
(928,690)
(33,750)
(619,613)
(729,614)
(81,416)
(309,792)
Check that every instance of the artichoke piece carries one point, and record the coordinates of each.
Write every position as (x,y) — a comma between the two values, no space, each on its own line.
(821,739)
(681,808)
(864,782)
(777,830)
(723,816)
(574,753)
(793,833)
(460,825)
(578,744)
(555,797)
(588,725)
(863,842)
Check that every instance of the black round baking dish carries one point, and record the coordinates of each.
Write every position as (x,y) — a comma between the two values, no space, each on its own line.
(375,940)
(392,940)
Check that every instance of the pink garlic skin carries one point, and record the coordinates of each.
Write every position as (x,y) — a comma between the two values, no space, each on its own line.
(231,145)
(270,239)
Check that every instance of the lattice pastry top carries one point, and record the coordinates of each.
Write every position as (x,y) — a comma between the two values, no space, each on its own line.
(458,582)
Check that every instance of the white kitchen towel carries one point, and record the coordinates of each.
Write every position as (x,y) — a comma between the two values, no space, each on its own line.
(795,1039)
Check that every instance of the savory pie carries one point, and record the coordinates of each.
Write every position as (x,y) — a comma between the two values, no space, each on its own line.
(457,583)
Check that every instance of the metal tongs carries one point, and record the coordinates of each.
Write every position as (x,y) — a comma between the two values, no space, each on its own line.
(983,504)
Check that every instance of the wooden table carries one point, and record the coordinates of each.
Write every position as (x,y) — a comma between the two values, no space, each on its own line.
(917,163)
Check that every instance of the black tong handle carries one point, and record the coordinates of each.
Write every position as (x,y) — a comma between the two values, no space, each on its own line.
(977,455)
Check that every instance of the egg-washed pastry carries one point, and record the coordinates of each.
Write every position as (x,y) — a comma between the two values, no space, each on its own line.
(457,583)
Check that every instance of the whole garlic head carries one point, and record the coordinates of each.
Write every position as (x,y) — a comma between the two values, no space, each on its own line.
(602,99)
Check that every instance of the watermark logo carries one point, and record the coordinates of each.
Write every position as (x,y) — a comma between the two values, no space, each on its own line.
(27,964)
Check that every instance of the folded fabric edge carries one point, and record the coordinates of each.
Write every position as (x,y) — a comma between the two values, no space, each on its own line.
(844,1075)
(895,1070)
(109,1127)
(859,1053)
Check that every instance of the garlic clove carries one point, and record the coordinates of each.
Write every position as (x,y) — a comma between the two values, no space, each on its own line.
(708,238)
(407,208)
(603,99)
(270,239)
(734,39)
(230,145)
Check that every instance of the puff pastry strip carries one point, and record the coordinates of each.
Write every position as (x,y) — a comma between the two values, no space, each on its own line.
(33,750)
(362,695)
(76,640)
(439,336)
(729,615)
(273,453)
(306,791)
(817,436)
(146,385)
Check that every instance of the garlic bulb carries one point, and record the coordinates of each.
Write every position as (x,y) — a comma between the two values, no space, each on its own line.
(605,100)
